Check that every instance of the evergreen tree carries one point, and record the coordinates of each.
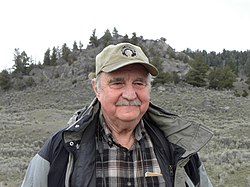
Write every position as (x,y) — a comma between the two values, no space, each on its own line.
(53,57)
(221,78)
(107,38)
(197,74)
(115,33)
(246,66)
(59,52)
(232,64)
(163,77)
(247,69)
(75,47)
(46,59)
(134,39)
(228,77)
(93,39)
(156,60)
(21,63)
(80,46)
(65,52)
(214,78)
(125,38)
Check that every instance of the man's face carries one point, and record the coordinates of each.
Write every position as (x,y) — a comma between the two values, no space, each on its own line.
(124,94)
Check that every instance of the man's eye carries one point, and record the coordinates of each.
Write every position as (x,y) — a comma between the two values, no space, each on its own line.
(116,85)
(139,85)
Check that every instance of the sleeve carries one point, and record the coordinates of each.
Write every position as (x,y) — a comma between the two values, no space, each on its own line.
(204,179)
(39,167)
(195,173)
(37,172)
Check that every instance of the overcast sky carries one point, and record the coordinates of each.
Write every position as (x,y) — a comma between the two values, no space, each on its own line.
(34,26)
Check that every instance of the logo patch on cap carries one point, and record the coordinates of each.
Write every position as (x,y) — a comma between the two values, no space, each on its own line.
(128,51)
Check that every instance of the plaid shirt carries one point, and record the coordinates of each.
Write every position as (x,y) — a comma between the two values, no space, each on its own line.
(118,166)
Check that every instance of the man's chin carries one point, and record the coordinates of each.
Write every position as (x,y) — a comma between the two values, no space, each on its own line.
(129,110)
(129,107)
(129,115)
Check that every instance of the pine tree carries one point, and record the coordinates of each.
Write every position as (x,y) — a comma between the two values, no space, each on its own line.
(134,39)
(21,63)
(46,59)
(65,52)
(221,78)
(59,52)
(197,74)
(53,57)
(80,46)
(126,38)
(75,47)
(93,39)
(115,33)
(107,38)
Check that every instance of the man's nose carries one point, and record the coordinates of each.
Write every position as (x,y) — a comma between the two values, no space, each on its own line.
(129,92)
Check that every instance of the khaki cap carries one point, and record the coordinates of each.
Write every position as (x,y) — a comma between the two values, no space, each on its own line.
(114,57)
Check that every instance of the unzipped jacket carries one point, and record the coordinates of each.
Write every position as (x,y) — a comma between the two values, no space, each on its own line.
(68,157)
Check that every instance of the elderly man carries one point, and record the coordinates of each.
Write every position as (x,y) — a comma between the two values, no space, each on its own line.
(121,138)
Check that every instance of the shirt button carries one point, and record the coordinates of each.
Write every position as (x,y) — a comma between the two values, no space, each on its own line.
(76,126)
(129,183)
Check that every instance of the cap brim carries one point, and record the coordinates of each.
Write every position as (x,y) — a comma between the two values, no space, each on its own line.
(149,67)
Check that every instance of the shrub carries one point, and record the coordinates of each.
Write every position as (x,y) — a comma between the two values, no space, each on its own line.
(30,82)
(236,93)
(23,82)
(244,94)
(74,81)
(5,80)
(162,78)
(57,75)
(175,78)
(19,84)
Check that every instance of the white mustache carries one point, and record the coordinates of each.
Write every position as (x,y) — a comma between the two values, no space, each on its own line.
(135,102)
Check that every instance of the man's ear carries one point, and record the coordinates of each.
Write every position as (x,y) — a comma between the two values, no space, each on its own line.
(94,86)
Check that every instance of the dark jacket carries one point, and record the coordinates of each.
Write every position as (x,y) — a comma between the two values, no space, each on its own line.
(71,152)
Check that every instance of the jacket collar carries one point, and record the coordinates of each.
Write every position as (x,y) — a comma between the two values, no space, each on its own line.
(189,135)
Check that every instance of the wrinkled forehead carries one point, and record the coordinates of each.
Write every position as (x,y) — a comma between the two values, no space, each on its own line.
(133,68)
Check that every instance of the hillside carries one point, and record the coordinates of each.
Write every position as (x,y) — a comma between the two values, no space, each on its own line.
(28,117)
